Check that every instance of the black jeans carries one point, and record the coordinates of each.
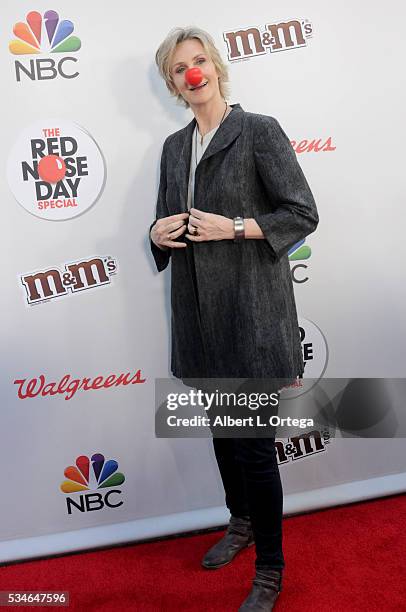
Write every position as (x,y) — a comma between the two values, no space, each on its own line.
(252,484)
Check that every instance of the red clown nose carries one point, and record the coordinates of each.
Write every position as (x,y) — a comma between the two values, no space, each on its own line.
(193,76)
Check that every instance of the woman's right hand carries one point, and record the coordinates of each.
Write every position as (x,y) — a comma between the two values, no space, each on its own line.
(165,231)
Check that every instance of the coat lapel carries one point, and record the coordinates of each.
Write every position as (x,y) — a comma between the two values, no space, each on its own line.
(225,135)
(183,165)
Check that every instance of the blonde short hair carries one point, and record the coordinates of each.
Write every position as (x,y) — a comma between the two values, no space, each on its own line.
(167,48)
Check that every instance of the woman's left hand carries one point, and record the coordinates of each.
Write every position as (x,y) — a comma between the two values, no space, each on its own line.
(209,226)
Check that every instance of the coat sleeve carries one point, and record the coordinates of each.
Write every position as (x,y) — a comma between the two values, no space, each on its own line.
(294,213)
(161,257)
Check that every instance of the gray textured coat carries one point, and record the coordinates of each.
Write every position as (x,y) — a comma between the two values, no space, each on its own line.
(233,308)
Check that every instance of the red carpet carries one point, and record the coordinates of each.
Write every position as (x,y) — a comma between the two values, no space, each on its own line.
(343,559)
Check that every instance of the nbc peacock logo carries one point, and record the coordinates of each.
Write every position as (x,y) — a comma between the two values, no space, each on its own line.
(299,252)
(90,475)
(44,34)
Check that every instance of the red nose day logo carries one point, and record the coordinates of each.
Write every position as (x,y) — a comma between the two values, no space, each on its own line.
(315,359)
(56,170)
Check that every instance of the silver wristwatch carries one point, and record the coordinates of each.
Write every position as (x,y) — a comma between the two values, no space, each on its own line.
(239,229)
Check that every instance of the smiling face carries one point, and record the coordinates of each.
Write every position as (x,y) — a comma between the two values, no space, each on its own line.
(189,54)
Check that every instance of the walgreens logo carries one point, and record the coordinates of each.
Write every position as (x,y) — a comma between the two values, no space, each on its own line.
(56,170)
(313,146)
(44,285)
(248,42)
(68,386)
(41,34)
(90,474)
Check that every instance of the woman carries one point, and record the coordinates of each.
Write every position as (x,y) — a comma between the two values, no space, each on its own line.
(232,201)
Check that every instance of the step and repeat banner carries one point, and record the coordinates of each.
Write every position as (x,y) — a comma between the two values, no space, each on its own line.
(86,318)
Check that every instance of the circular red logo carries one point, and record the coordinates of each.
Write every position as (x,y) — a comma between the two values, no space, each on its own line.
(51,168)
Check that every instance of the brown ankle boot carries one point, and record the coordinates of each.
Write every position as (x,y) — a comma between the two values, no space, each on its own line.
(237,537)
(267,585)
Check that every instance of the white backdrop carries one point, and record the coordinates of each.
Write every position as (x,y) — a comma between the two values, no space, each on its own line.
(344,84)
